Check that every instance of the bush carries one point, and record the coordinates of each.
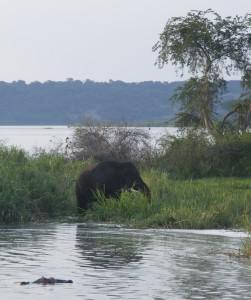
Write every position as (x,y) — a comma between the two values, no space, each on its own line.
(195,154)
(101,142)
(185,156)
(230,155)
(192,154)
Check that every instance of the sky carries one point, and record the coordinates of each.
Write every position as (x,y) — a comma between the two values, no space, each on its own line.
(100,40)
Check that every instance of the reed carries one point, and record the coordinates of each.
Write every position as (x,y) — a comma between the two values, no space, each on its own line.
(202,203)
(35,188)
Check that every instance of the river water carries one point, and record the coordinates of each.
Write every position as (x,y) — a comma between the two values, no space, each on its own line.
(112,262)
(33,138)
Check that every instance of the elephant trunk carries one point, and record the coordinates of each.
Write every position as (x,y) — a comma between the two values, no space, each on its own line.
(141,186)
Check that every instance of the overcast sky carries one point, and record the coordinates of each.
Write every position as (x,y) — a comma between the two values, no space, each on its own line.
(96,39)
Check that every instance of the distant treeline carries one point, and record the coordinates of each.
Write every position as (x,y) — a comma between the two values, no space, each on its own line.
(68,102)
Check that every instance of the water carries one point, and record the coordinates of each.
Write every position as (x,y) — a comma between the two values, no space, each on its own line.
(32,138)
(109,262)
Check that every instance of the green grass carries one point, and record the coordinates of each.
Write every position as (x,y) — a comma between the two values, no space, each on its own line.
(203,203)
(42,187)
(35,188)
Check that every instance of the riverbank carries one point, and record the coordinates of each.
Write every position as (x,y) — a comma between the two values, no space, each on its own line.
(34,188)
(187,204)
(41,187)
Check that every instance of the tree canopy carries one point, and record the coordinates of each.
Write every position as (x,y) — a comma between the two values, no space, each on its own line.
(209,47)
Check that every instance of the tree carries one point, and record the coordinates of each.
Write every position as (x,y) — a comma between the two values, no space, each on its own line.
(241,112)
(195,111)
(209,47)
(242,108)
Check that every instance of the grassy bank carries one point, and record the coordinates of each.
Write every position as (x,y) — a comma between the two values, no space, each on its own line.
(35,188)
(42,187)
(202,203)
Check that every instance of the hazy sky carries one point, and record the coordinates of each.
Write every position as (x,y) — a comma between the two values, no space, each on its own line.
(95,39)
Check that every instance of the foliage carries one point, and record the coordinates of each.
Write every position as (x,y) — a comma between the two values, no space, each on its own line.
(42,187)
(184,156)
(204,42)
(208,46)
(99,141)
(64,103)
(194,109)
(191,204)
(239,118)
(230,155)
(35,188)
(67,102)
(245,249)
(195,154)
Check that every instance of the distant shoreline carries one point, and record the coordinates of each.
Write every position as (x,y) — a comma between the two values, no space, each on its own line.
(68,103)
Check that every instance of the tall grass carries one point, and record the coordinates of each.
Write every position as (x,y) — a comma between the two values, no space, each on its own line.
(42,187)
(202,203)
(35,188)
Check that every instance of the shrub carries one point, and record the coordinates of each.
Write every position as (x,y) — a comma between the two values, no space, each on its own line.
(185,156)
(101,142)
(230,155)
(195,154)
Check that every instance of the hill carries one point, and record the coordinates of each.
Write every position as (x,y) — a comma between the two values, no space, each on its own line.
(68,102)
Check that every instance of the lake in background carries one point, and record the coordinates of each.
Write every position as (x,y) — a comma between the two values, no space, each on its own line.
(32,138)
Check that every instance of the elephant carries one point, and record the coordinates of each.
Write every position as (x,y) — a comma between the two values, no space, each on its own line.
(110,178)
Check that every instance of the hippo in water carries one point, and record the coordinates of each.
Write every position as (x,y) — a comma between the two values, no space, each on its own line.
(110,178)
(43,280)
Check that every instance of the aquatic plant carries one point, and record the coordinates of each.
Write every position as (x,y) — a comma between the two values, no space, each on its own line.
(245,248)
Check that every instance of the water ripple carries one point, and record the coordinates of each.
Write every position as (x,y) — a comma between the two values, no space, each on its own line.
(107,262)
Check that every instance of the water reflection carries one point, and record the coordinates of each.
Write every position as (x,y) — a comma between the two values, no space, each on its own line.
(107,262)
(202,271)
(25,244)
(108,249)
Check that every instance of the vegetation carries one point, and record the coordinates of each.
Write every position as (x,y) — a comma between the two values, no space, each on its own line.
(42,187)
(194,154)
(239,118)
(202,203)
(208,46)
(199,179)
(174,172)
(35,188)
(68,102)
(100,141)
